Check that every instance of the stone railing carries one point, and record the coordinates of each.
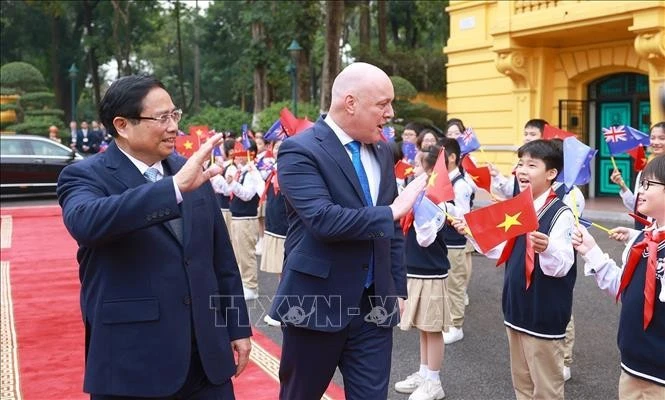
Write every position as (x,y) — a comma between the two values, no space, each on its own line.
(525,6)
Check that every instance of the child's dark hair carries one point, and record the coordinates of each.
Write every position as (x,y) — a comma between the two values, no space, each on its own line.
(455,121)
(452,147)
(660,125)
(655,169)
(414,126)
(228,147)
(430,156)
(536,123)
(550,153)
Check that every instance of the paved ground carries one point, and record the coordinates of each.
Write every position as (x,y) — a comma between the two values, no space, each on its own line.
(477,368)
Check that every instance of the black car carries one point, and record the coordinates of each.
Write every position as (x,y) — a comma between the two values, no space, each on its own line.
(31,164)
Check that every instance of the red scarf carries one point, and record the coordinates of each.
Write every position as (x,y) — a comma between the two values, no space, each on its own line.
(271,179)
(529,261)
(652,239)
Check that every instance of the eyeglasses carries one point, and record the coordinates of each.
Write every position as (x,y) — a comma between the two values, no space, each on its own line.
(163,119)
(645,183)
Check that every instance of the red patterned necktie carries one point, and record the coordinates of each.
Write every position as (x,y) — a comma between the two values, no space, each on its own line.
(530,254)
(651,241)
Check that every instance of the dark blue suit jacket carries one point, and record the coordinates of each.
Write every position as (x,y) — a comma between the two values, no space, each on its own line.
(94,140)
(143,293)
(331,232)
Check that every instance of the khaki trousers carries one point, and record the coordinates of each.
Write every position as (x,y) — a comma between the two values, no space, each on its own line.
(536,366)
(243,238)
(631,388)
(569,342)
(458,278)
(226,214)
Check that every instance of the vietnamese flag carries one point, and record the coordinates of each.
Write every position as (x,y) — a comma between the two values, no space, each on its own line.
(291,124)
(551,132)
(501,221)
(639,156)
(439,188)
(403,169)
(480,175)
(186,145)
(199,131)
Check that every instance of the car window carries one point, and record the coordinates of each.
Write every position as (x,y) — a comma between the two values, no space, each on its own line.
(44,148)
(11,147)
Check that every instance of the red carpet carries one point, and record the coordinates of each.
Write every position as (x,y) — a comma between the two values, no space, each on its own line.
(47,318)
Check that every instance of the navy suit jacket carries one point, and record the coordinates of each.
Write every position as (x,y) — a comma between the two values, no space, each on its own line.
(332,232)
(94,140)
(143,293)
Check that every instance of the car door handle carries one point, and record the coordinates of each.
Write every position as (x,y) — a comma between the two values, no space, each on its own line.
(39,161)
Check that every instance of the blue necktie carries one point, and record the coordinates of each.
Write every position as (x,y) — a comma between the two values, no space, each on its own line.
(354,147)
(152,174)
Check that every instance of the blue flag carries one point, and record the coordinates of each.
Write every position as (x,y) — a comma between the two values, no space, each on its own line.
(246,144)
(424,210)
(409,149)
(275,132)
(585,222)
(468,141)
(389,133)
(623,138)
(577,158)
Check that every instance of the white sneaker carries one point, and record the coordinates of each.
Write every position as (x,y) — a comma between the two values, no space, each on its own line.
(270,321)
(250,294)
(429,390)
(566,373)
(466,299)
(258,249)
(453,335)
(411,383)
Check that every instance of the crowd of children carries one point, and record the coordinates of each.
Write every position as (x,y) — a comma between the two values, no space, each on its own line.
(536,304)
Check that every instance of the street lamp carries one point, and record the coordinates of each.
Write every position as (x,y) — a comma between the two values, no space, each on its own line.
(294,50)
(73,73)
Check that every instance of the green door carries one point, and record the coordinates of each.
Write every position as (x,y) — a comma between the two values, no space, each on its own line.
(612,114)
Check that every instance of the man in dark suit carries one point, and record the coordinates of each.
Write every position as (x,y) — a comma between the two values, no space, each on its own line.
(161,294)
(87,142)
(343,268)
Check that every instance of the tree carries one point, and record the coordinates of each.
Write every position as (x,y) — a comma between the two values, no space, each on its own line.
(382,21)
(334,18)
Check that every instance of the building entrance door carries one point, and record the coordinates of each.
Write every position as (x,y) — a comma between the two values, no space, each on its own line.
(620,99)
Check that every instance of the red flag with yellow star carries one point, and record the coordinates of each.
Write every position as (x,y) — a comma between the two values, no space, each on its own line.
(480,175)
(501,221)
(551,132)
(439,188)
(639,157)
(403,169)
(186,145)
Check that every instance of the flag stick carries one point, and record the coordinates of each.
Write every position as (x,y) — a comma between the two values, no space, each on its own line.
(451,218)
(576,212)
(602,228)
(484,155)
(614,163)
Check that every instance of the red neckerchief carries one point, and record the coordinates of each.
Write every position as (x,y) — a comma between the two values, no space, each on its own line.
(271,179)
(652,239)
(529,264)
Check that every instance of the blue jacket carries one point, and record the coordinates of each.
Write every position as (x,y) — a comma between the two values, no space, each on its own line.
(144,294)
(332,234)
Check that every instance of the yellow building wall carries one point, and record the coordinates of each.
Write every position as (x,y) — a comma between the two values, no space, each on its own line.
(511,61)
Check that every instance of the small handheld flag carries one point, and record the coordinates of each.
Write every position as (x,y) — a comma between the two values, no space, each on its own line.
(468,141)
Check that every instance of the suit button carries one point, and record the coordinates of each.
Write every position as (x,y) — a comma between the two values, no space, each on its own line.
(167,212)
(187,300)
(187,262)
(161,213)
(148,218)
(365,267)
(380,234)
(370,235)
(154,215)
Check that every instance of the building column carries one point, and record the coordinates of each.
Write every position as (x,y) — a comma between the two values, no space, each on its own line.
(650,45)
(517,64)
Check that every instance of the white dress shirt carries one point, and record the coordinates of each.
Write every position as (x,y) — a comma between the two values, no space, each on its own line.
(142,167)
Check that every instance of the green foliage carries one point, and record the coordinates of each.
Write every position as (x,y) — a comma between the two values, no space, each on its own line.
(219,119)
(9,106)
(269,115)
(47,112)
(37,97)
(7,91)
(404,90)
(36,126)
(21,76)
(407,112)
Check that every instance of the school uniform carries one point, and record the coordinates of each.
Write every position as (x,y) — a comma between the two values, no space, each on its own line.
(426,307)
(276,226)
(536,318)
(642,350)
(458,254)
(245,224)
